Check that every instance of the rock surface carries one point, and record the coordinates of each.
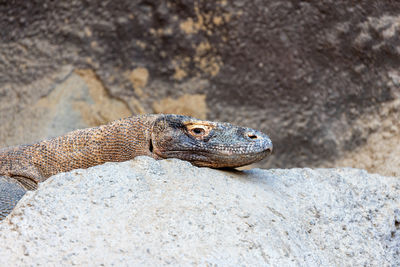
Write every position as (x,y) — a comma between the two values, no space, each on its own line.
(147,212)
(305,72)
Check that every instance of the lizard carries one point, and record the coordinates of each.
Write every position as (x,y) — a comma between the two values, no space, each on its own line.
(161,136)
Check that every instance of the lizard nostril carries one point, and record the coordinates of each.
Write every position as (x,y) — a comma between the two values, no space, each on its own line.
(252,136)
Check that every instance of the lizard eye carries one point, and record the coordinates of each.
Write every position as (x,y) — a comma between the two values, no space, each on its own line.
(198,131)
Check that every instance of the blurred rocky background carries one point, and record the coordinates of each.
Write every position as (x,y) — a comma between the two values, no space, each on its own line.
(321,78)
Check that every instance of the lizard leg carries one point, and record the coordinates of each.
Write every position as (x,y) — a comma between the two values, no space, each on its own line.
(25,182)
(27,176)
(11,192)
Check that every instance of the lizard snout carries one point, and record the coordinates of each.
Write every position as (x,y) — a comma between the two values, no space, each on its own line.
(261,138)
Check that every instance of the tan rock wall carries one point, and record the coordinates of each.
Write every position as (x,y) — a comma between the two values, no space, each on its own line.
(307,73)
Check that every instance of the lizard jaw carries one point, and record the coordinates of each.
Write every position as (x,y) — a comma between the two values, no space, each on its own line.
(216,158)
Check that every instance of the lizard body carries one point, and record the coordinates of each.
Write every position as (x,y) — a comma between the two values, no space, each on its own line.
(203,143)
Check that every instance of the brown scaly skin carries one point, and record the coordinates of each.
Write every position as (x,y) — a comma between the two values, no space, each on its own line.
(203,143)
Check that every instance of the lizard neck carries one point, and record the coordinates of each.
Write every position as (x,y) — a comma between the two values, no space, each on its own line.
(125,139)
(118,141)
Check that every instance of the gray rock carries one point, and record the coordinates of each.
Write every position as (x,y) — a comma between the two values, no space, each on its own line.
(147,212)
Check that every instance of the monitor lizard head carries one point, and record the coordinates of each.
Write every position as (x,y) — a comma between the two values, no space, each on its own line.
(206,143)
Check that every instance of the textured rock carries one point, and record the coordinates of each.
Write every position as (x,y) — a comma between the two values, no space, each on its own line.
(147,212)
(77,99)
(306,72)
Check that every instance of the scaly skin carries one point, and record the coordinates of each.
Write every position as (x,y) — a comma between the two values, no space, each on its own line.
(203,143)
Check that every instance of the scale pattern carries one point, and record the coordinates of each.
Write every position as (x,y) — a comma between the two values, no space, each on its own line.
(118,141)
(203,143)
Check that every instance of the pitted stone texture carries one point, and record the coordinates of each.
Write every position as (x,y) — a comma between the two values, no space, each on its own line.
(148,212)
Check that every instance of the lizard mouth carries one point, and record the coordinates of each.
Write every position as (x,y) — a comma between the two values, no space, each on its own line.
(209,159)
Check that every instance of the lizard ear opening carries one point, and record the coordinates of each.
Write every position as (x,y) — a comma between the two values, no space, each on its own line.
(151,146)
